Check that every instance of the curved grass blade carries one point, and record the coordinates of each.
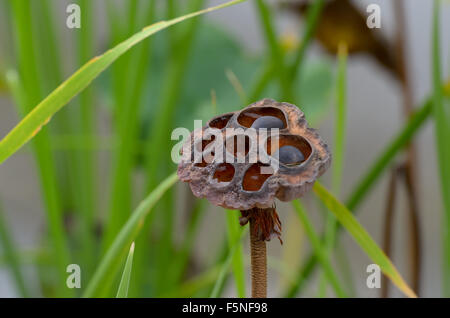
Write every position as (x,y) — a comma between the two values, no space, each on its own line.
(11,258)
(161,125)
(365,241)
(29,87)
(181,261)
(226,264)
(192,286)
(234,232)
(276,54)
(312,18)
(122,292)
(108,266)
(129,80)
(369,179)
(320,250)
(379,165)
(42,113)
(339,150)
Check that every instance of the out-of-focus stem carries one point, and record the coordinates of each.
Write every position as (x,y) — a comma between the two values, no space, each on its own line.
(411,166)
(388,217)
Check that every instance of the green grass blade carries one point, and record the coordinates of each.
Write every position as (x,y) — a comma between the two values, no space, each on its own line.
(237,86)
(368,180)
(319,249)
(108,265)
(339,149)
(157,161)
(192,286)
(276,53)
(385,158)
(183,256)
(262,79)
(312,19)
(11,257)
(340,123)
(226,264)
(304,272)
(132,82)
(42,113)
(360,235)
(122,292)
(442,132)
(15,87)
(47,45)
(267,73)
(83,171)
(234,230)
(30,86)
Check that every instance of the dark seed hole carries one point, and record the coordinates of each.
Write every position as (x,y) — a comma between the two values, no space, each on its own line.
(289,155)
(224,172)
(253,178)
(201,164)
(248,117)
(201,146)
(238,145)
(204,143)
(268,122)
(220,122)
(292,149)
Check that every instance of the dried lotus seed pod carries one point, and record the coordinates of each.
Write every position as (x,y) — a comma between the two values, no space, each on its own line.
(301,157)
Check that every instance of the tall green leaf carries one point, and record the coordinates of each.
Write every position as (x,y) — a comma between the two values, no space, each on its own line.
(83,172)
(319,249)
(234,231)
(364,240)
(108,265)
(339,148)
(369,179)
(29,86)
(10,251)
(122,292)
(130,75)
(225,266)
(179,56)
(441,113)
(312,18)
(276,53)
(42,113)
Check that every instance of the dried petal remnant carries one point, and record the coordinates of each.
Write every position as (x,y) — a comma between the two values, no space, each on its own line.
(266,222)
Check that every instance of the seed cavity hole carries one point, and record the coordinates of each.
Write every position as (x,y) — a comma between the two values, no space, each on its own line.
(220,121)
(262,117)
(255,176)
(224,173)
(201,145)
(292,150)
(238,145)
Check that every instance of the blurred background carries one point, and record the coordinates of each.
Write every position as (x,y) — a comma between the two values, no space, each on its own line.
(101,143)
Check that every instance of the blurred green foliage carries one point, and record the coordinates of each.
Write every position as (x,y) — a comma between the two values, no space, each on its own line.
(172,78)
